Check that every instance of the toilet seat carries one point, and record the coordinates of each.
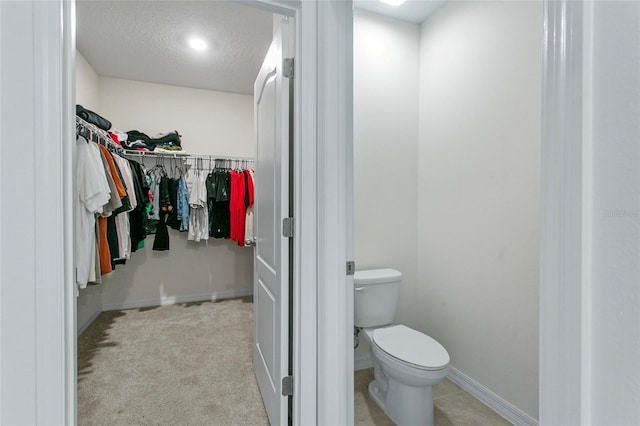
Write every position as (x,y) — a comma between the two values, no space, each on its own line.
(411,347)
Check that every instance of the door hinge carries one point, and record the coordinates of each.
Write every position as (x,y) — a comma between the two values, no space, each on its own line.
(287,386)
(351,267)
(287,67)
(287,227)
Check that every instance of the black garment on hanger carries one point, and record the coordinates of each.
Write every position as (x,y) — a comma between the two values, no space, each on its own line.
(138,216)
(161,241)
(247,202)
(172,219)
(219,214)
(112,239)
(211,199)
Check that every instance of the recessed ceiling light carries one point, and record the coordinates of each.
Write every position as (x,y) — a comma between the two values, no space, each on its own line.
(393,2)
(197,43)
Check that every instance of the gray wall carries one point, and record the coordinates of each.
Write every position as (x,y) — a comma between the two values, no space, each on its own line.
(478,210)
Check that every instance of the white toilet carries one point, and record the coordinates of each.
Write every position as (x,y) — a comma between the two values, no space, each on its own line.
(407,363)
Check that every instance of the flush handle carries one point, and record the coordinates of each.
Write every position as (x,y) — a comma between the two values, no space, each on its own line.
(360,288)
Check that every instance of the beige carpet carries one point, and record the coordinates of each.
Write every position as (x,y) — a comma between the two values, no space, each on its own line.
(186,364)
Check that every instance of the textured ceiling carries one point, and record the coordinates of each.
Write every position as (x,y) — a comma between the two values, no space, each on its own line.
(147,41)
(414,11)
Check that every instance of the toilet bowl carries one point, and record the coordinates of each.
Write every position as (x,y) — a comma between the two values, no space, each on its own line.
(406,362)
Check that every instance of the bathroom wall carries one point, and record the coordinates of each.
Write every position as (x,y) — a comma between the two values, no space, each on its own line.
(386,151)
(478,208)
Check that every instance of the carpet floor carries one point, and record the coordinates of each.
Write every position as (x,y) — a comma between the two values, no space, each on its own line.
(185,364)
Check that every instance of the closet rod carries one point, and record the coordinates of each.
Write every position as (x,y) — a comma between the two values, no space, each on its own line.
(96,135)
(185,156)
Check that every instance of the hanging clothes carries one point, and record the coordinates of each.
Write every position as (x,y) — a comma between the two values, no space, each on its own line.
(138,216)
(199,215)
(115,185)
(237,209)
(172,217)
(92,193)
(249,200)
(183,204)
(219,205)
(161,241)
(122,220)
(153,215)
(115,242)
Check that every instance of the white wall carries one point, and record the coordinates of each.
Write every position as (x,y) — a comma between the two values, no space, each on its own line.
(87,95)
(210,122)
(615,329)
(386,151)
(478,210)
(87,84)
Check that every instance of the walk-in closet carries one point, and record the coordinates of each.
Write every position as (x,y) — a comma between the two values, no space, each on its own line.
(165,180)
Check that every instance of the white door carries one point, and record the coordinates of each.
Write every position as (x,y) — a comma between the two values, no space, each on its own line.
(271,276)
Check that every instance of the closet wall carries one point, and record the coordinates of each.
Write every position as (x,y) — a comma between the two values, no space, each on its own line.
(210,123)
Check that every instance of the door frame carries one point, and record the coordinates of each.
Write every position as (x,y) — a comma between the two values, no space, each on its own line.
(322,352)
(38,339)
(566,213)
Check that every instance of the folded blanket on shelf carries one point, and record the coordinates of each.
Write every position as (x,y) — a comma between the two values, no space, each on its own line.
(162,139)
(93,118)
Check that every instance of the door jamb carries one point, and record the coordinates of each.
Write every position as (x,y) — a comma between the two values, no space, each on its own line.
(326,131)
(565,221)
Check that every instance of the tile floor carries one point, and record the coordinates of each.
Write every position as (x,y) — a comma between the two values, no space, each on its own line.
(452,406)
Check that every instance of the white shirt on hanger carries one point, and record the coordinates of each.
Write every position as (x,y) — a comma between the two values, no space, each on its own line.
(92,193)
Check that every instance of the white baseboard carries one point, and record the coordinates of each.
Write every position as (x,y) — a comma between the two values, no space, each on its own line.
(88,322)
(491,400)
(163,301)
(362,363)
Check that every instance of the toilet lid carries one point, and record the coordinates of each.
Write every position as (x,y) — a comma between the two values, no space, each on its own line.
(411,346)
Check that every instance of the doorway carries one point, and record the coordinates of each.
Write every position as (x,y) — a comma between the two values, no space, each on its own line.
(39,324)
(124,97)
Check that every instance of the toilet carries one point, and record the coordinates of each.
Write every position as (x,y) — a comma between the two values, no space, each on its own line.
(406,362)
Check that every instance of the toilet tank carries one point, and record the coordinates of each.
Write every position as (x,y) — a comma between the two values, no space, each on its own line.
(375,296)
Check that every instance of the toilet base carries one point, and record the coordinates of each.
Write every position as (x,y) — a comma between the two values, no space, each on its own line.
(377,394)
(407,405)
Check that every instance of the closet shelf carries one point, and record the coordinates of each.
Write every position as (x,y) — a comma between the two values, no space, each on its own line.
(184,155)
